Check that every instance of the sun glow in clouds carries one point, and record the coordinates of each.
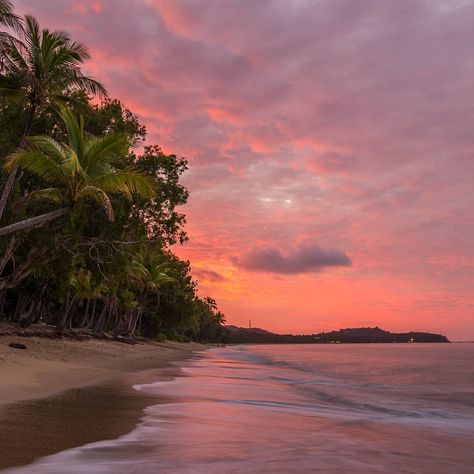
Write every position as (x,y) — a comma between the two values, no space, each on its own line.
(340,125)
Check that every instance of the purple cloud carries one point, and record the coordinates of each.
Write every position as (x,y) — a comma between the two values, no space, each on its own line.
(308,259)
(348,124)
(209,275)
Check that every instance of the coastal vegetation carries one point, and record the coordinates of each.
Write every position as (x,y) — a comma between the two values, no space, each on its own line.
(89,211)
(236,335)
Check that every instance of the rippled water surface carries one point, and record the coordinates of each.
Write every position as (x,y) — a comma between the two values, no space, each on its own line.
(400,408)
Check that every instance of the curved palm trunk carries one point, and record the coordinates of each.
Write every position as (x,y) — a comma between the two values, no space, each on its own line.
(97,327)
(68,313)
(8,254)
(11,177)
(7,190)
(133,322)
(36,221)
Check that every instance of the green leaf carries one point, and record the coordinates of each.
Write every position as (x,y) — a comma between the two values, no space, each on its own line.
(99,196)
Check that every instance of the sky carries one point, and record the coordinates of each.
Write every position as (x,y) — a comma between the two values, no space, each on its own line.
(330,143)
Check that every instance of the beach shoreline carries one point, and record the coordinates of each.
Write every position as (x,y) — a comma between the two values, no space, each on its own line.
(58,394)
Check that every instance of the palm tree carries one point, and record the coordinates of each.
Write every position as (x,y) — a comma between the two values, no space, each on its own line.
(7,17)
(43,68)
(12,23)
(145,275)
(86,167)
(156,274)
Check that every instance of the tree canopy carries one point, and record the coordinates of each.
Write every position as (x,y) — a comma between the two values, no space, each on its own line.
(112,202)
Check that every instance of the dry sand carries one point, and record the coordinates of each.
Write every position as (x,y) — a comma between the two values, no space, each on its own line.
(49,366)
(60,393)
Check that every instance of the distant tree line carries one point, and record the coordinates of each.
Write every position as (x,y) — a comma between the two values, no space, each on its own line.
(236,335)
(88,210)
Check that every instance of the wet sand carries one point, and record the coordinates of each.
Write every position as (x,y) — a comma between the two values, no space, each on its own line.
(60,394)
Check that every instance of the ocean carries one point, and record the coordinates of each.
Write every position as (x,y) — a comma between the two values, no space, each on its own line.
(369,408)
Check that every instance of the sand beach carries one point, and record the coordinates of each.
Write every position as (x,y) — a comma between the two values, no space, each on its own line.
(61,393)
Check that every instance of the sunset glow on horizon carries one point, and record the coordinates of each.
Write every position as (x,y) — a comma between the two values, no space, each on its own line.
(330,146)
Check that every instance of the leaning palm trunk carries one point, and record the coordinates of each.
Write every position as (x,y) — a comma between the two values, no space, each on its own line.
(68,313)
(11,177)
(97,327)
(33,313)
(89,321)
(133,322)
(36,221)
(126,323)
(85,318)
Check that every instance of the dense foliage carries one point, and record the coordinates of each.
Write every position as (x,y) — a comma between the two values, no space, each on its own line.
(236,335)
(90,211)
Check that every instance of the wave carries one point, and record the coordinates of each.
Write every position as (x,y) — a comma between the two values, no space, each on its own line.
(240,409)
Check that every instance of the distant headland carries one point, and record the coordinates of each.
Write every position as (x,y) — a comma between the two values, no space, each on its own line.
(237,335)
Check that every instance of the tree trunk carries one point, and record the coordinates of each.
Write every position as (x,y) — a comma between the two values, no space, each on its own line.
(98,325)
(3,298)
(133,323)
(11,177)
(91,319)
(68,313)
(113,311)
(8,254)
(85,318)
(20,307)
(27,314)
(36,221)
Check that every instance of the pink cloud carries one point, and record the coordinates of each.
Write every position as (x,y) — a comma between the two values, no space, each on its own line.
(348,125)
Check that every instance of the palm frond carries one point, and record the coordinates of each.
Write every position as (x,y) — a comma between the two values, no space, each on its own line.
(53,46)
(99,196)
(159,279)
(13,61)
(36,162)
(101,150)
(71,166)
(31,33)
(55,195)
(137,271)
(87,84)
(48,146)
(11,92)
(7,17)
(128,182)
(64,100)
(79,50)
(75,130)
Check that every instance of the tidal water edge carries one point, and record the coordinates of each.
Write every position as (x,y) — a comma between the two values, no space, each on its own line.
(399,408)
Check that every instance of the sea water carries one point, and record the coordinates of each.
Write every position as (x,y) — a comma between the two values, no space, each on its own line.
(375,408)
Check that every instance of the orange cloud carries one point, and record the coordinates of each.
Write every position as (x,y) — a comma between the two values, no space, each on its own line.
(302,126)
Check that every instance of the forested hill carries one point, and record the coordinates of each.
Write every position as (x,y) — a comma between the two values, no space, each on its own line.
(236,335)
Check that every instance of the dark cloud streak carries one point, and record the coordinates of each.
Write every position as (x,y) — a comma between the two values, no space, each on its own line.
(209,275)
(307,259)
